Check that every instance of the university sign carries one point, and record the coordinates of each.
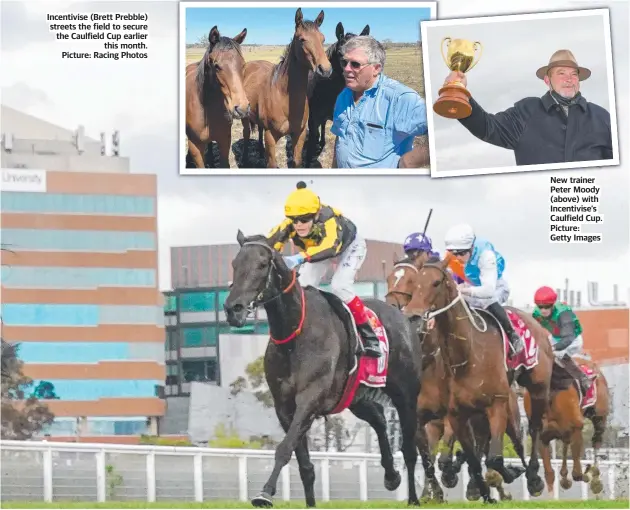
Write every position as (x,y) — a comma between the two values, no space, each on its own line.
(15,179)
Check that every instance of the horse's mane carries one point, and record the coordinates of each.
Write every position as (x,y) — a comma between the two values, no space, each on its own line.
(405,260)
(205,73)
(282,67)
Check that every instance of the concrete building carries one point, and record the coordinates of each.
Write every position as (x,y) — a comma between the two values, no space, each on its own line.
(80,286)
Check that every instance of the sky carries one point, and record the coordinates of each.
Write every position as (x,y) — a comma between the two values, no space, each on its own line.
(141,98)
(276,25)
(506,73)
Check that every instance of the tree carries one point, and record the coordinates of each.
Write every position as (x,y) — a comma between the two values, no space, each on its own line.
(22,417)
(255,373)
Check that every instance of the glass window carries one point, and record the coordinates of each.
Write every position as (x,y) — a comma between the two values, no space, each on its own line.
(24,239)
(62,203)
(197,301)
(22,314)
(76,277)
(171,339)
(122,426)
(93,389)
(199,337)
(90,352)
(60,427)
(170,303)
(200,370)
(223,295)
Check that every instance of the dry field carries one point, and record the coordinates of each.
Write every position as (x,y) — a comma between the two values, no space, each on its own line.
(403,64)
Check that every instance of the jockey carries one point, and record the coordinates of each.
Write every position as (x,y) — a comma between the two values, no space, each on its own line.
(483,270)
(322,234)
(559,319)
(419,250)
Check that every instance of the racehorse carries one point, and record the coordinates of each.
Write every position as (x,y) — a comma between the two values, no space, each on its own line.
(309,358)
(434,397)
(323,94)
(278,94)
(565,421)
(474,356)
(214,96)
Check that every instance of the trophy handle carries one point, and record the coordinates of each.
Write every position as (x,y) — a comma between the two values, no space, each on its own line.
(475,44)
(442,50)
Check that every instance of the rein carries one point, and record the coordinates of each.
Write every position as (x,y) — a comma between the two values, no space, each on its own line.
(259,301)
(396,293)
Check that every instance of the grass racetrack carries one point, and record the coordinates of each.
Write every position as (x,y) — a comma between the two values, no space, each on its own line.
(404,63)
(593,503)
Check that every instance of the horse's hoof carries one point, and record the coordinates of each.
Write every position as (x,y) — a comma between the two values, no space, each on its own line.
(472,493)
(263,500)
(449,480)
(581,477)
(506,496)
(596,485)
(535,486)
(490,501)
(595,472)
(513,473)
(565,483)
(392,485)
(413,502)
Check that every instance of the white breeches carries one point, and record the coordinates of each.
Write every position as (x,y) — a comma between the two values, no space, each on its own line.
(501,294)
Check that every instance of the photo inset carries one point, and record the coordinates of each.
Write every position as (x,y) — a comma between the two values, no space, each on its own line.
(326,86)
(502,99)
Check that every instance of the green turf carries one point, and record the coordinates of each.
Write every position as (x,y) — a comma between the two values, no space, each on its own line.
(604,503)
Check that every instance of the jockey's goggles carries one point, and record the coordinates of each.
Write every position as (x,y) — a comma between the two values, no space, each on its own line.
(305,218)
(459,253)
(545,307)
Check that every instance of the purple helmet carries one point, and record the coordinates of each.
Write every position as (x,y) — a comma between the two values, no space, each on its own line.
(418,241)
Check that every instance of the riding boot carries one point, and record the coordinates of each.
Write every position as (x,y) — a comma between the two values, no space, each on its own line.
(371,344)
(576,372)
(515,340)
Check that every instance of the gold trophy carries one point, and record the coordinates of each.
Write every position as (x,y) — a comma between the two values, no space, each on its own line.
(453,102)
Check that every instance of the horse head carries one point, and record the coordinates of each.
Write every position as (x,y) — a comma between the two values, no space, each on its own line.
(259,276)
(435,290)
(400,284)
(334,52)
(223,65)
(308,44)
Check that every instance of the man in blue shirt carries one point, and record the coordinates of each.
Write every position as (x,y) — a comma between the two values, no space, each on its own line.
(376,118)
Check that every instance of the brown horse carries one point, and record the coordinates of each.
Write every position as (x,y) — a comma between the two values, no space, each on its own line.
(278,94)
(434,395)
(565,421)
(214,96)
(473,354)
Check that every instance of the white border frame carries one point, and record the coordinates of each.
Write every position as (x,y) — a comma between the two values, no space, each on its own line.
(432,6)
(604,12)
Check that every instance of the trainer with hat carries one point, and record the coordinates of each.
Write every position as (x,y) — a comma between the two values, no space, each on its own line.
(559,127)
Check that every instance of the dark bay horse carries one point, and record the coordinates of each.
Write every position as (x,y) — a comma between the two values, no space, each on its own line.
(308,364)
(323,92)
(278,93)
(214,96)
(565,421)
(472,349)
(433,400)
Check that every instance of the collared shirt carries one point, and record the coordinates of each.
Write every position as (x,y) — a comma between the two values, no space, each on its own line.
(539,132)
(377,130)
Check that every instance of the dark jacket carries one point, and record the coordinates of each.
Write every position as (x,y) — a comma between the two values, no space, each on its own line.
(539,132)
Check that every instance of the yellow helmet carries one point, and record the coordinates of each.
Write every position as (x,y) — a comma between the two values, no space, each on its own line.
(302,201)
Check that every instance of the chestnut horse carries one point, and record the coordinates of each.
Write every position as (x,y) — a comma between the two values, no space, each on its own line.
(434,397)
(323,92)
(565,421)
(278,94)
(473,354)
(214,96)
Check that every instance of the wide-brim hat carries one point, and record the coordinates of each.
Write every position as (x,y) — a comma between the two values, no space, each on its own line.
(563,58)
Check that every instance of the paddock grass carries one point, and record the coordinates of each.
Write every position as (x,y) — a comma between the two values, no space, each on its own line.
(403,64)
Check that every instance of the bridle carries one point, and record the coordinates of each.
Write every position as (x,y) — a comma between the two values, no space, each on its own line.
(260,300)
(396,293)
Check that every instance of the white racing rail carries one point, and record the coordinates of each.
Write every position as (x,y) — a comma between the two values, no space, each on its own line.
(49,471)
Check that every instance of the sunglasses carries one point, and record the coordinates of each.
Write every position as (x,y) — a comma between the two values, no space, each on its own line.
(545,307)
(302,219)
(459,253)
(353,63)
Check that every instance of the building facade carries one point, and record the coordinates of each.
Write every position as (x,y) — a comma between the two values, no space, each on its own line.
(80,287)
